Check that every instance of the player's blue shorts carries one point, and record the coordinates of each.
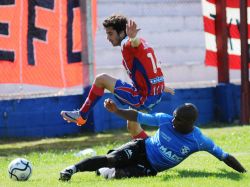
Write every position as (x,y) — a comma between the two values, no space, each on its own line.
(127,94)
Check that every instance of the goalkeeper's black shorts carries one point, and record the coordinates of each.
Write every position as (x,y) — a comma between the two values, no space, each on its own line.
(131,160)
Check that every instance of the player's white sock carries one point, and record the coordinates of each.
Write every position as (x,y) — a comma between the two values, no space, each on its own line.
(73,168)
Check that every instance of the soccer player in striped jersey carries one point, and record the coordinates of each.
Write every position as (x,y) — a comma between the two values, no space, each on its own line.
(141,64)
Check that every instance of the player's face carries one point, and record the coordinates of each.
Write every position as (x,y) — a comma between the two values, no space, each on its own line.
(113,36)
(176,121)
(180,125)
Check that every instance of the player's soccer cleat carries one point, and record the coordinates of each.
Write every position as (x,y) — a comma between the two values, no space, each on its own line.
(73,116)
(66,174)
(107,173)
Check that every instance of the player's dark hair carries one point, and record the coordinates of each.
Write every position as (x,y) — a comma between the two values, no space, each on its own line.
(117,22)
(187,113)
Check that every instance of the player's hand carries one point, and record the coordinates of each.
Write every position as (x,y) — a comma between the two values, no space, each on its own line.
(131,29)
(169,90)
(110,105)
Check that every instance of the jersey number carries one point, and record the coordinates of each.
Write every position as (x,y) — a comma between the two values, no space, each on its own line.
(150,55)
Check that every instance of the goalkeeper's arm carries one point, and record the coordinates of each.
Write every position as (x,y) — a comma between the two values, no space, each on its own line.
(127,114)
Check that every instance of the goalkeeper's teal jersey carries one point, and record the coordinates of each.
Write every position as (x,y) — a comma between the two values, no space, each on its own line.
(167,148)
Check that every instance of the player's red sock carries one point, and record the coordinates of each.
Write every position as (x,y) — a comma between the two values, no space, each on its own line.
(94,95)
(142,135)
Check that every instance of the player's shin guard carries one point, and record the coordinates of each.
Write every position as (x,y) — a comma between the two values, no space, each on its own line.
(94,95)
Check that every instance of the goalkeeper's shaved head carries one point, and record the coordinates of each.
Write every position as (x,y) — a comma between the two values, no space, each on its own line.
(185,117)
(187,112)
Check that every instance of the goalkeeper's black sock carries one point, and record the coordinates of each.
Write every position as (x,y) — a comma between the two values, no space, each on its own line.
(92,164)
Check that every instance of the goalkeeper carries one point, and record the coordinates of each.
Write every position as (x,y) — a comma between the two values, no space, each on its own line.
(176,139)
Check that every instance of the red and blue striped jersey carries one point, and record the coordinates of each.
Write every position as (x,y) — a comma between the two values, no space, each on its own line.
(142,67)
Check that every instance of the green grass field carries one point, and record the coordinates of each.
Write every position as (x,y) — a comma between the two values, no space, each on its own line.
(50,156)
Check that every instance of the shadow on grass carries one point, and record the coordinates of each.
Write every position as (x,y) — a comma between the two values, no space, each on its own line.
(222,173)
(80,141)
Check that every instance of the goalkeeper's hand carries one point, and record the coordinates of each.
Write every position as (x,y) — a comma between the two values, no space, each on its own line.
(110,105)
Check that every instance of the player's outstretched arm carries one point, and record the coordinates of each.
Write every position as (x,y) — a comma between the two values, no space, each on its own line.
(127,114)
(131,30)
(232,162)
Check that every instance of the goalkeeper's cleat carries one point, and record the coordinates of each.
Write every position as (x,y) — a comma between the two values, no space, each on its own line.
(66,174)
(107,173)
(73,116)
(100,170)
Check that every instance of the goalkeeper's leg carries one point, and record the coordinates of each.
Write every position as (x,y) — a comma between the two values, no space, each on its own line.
(127,155)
